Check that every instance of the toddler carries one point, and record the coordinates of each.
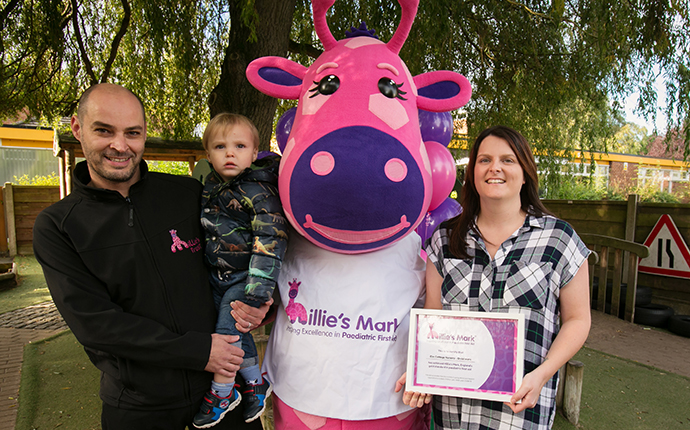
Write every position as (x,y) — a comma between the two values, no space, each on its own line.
(246,238)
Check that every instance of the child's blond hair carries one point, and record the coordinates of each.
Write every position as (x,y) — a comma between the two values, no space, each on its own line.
(224,121)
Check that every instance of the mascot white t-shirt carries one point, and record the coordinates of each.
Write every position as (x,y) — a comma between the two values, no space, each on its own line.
(339,342)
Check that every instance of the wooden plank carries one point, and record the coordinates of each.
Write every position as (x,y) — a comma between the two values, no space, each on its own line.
(560,389)
(631,293)
(9,219)
(603,267)
(36,198)
(572,393)
(3,231)
(616,284)
(597,239)
(25,234)
(630,224)
(592,213)
(28,208)
(25,249)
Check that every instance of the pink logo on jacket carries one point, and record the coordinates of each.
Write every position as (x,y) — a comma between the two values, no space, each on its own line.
(178,244)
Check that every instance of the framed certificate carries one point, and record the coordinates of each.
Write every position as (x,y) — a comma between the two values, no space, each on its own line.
(465,354)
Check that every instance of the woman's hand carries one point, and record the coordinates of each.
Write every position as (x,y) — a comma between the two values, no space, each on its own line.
(248,318)
(528,394)
(413,399)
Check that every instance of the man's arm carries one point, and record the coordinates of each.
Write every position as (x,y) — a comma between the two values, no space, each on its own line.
(97,321)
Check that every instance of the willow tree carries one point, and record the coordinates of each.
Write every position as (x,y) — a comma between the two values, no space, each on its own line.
(186,59)
(552,69)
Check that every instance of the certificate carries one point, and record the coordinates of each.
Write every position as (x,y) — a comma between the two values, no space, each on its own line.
(465,354)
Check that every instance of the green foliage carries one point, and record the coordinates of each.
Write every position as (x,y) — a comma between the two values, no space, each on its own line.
(172,167)
(167,52)
(586,188)
(630,139)
(51,179)
(650,193)
(582,189)
(549,69)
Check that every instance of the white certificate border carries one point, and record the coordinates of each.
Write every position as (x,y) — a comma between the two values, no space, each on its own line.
(464,392)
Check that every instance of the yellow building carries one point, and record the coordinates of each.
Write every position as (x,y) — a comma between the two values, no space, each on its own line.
(26,150)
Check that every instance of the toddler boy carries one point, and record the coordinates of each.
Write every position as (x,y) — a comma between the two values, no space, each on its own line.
(246,238)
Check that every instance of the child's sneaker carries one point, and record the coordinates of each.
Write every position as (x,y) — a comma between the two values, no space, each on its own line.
(254,400)
(214,408)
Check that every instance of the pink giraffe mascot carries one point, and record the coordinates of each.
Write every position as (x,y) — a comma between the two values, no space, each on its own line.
(355,181)
(295,311)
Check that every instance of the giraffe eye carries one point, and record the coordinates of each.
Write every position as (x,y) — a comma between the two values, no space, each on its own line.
(326,86)
(390,89)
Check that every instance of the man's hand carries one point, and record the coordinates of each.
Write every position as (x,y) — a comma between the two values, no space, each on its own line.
(248,318)
(225,359)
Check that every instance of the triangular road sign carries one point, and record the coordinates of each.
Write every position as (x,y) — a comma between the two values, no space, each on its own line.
(668,253)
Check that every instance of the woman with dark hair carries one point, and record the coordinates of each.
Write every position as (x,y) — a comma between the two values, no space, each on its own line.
(506,253)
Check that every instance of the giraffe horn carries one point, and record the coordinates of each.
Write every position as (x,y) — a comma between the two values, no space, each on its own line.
(409,11)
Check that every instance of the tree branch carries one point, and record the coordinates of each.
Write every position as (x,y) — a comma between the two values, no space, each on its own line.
(539,14)
(303,48)
(6,12)
(124,25)
(77,34)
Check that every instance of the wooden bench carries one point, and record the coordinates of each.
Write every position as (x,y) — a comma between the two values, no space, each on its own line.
(612,254)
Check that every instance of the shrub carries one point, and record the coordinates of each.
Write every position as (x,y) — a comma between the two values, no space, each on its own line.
(51,179)
(172,167)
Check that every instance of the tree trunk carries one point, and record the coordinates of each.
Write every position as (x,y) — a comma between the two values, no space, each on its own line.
(234,93)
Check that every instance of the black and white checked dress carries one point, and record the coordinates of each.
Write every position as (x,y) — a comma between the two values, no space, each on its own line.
(525,276)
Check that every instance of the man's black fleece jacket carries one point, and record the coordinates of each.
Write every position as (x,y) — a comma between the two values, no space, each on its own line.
(128,277)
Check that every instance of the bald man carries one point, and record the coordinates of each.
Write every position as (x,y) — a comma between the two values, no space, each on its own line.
(123,259)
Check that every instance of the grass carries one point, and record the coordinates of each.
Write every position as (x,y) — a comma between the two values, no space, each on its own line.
(31,288)
(622,394)
(617,394)
(59,386)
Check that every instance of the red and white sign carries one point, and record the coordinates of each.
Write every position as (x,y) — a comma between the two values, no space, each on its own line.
(668,253)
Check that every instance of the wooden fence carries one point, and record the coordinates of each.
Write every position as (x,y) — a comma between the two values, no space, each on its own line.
(21,204)
(624,220)
(632,221)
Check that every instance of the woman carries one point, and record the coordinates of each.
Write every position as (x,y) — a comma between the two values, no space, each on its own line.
(507,253)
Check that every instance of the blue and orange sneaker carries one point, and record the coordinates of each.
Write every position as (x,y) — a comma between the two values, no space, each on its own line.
(254,400)
(214,408)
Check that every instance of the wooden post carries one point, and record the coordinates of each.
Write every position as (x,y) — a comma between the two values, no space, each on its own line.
(603,268)
(63,174)
(572,393)
(192,162)
(616,282)
(69,164)
(630,225)
(631,294)
(3,232)
(8,197)
(560,389)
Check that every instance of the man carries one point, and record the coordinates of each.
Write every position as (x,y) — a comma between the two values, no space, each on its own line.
(122,256)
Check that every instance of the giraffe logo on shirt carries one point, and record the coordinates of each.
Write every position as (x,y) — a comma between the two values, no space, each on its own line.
(179,245)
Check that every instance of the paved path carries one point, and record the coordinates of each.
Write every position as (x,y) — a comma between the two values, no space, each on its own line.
(18,328)
(608,334)
(660,349)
